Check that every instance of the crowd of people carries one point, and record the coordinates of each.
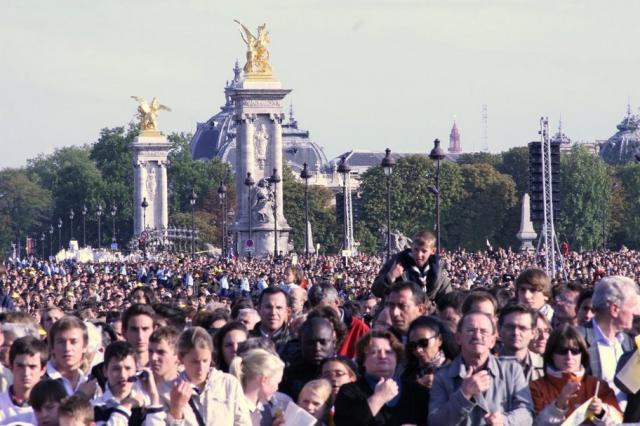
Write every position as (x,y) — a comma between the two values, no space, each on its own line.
(465,338)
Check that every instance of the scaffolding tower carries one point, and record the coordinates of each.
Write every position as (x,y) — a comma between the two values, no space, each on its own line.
(349,241)
(553,261)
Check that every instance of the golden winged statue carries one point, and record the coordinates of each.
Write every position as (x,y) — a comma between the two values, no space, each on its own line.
(257,53)
(148,113)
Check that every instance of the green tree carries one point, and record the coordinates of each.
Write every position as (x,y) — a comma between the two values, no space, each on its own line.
(322,214)
(479,215)
(24,205)
(480,158)
(515,163)
(585,200)
(412,204)
(629,231)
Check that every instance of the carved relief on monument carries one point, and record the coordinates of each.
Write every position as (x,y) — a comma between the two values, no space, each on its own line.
(151,183)
(264,202)
(261,103)
(261,140)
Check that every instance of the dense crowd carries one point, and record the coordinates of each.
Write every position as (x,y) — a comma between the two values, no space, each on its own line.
(467,338)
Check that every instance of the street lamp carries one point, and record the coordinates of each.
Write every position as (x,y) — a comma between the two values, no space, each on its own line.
(42,243)
(344,170)
(387,165)
(71,215)
(306,175)
(144,206)
(192,200)
(84,225)
(59,233)
(50,240)
(274,180)
(99,214)
(222,194)
(114,211)
(437,154)
(249,182)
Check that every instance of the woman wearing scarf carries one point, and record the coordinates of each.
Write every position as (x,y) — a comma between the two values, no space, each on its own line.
(567,384)
(379,398)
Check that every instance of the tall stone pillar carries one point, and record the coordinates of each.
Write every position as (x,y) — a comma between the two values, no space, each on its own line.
(150,150)
(258,112)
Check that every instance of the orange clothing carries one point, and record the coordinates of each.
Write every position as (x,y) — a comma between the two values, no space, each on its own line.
(544,391)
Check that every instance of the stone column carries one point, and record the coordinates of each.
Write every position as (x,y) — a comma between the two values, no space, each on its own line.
(276,157)
(163,193)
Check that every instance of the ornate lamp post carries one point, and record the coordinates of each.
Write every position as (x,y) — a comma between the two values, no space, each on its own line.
(42,243)
(306,175)
(144,206)
(387,165)
(274,180)
(71,215)
(222,194)
(249,182)
(50,240)
(84,225)
(59,233)
(99,214)
(114,211)
(344,170)
(437,154)
(192,200)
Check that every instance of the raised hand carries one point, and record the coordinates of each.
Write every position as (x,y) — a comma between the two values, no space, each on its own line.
(475,383)
(386,389)
(179,398)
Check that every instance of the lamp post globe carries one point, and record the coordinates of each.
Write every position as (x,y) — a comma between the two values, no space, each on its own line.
(59,233)
(222,195)
(193,197)
(437,154)
(249,182)
(274,180)
(42,244)
(71,216)
(387,165)
(306,175)
(50,240)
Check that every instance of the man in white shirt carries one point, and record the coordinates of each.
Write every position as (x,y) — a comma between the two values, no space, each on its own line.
(27,357)
(615,302)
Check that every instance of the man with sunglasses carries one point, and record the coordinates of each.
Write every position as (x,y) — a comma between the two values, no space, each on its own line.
(517,325)
(478,388)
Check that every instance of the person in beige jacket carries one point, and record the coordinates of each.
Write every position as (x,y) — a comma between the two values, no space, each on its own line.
(201,394)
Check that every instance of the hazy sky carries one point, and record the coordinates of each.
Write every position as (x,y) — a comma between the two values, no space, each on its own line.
(365,74)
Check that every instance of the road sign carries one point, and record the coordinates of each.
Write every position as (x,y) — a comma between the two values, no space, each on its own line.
(249,246)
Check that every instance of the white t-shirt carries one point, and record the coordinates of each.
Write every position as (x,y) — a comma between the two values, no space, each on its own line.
(9,411)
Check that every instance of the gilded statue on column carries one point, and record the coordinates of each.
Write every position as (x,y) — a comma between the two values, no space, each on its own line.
(257,54)
(148,113)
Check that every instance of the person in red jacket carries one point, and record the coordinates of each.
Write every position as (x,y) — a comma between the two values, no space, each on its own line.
(325,294)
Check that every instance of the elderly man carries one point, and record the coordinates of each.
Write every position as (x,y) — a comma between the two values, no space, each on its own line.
(615,301)
(419,264)
(478,388)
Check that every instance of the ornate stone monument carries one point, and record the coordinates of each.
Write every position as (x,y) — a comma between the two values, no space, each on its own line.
(258,115)
(526,234)
(150,151)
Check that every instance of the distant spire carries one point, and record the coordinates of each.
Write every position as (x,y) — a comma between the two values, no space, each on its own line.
(454,139)
(292,118)
(628,107)
(560,125)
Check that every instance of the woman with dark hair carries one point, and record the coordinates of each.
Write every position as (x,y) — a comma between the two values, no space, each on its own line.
(430,345)
(143,295)
(568,384)
(225,344)
(378,397)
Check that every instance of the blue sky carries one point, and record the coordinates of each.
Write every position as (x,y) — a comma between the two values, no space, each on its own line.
(365,74)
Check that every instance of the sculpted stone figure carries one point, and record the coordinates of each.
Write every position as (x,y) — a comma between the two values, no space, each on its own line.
(257,53)
(148,113)
(261,139)
(398,241)
(263,207)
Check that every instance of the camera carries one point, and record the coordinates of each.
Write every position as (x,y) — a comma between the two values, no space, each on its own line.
(140,375)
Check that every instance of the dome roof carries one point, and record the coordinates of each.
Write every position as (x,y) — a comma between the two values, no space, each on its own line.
(621,147)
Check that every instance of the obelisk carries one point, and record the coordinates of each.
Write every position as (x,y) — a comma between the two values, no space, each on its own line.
(150,150)
(526,234)
(258,115)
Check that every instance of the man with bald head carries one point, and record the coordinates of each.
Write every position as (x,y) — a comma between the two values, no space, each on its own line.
(478,388)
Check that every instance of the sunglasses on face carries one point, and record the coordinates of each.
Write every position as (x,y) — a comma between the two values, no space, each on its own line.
(566,351)
(420,343)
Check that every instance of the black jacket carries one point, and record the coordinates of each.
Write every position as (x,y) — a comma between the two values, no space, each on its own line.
(352,408)
(434,280)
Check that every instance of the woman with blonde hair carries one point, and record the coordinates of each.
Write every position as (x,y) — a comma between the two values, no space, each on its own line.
(315,398)
(260,373)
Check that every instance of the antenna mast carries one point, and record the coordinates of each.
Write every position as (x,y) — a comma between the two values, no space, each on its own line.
(485,129)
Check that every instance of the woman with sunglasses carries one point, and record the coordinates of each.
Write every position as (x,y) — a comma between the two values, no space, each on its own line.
(567,383)
(430,345)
